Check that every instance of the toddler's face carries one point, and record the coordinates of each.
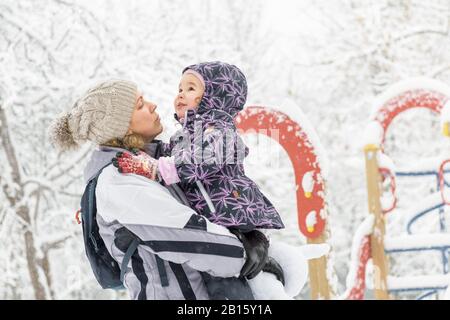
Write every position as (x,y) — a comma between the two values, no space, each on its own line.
(190,94)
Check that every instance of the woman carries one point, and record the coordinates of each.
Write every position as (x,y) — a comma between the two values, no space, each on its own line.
(180,252)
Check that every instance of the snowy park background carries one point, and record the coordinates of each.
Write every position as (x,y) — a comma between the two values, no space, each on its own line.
(329,57)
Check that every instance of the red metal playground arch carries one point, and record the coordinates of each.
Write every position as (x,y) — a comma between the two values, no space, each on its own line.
(304,160)
(309,178)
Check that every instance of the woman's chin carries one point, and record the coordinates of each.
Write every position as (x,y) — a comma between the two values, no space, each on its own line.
(153,136)
(161,129)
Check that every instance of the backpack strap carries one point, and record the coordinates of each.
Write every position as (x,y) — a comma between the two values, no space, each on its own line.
(126,258)
(162,271)
(91,196)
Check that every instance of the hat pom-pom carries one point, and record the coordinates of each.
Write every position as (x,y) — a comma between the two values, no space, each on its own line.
(60,134)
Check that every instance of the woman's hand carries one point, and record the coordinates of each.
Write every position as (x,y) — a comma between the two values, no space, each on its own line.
(274,267)
(137,162)
(256,247)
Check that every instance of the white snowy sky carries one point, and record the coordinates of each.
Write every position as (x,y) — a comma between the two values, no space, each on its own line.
(287,17)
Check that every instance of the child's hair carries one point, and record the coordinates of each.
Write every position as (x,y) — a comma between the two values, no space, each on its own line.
(130,141)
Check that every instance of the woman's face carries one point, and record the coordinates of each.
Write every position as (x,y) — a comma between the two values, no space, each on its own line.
(145,120)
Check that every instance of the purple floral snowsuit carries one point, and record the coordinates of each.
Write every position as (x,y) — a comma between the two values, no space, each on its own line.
(209,155)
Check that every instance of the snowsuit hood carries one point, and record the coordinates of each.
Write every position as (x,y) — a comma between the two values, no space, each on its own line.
(225,87)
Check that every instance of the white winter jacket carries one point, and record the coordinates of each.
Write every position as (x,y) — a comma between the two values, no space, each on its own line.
(177,245)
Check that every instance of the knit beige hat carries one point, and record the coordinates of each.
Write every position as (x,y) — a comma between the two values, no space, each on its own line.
(102,114)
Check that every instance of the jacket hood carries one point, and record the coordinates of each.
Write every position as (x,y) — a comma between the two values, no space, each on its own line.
(104,155)
(225,87)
